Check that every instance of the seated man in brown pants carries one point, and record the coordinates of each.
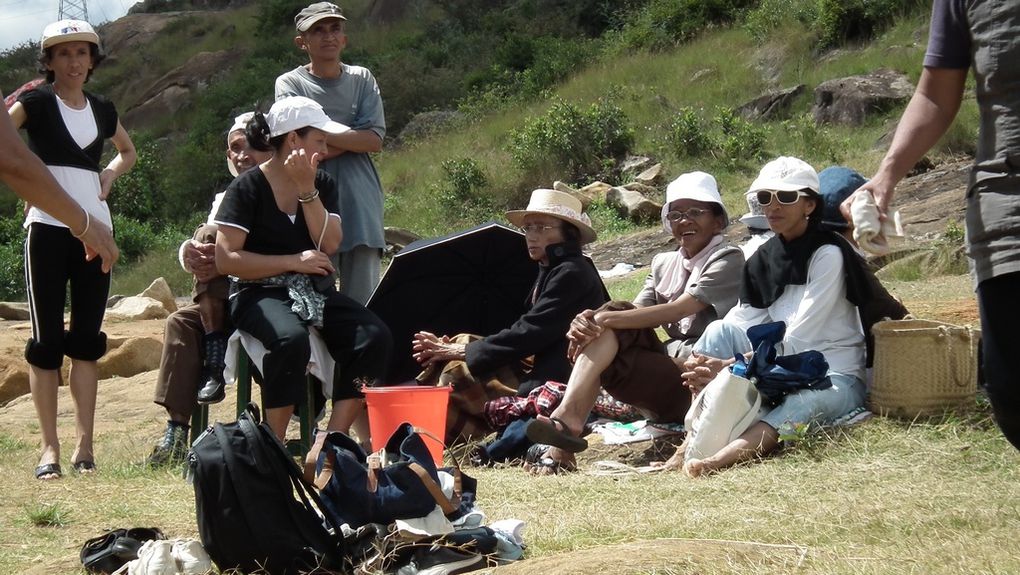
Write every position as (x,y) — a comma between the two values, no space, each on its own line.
(195,338)
(616,347)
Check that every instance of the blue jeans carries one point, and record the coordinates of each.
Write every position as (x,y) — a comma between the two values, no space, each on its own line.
(724,340)
(1000,318)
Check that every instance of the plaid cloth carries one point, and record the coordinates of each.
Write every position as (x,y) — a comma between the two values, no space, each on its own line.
(542,400)
(609,407)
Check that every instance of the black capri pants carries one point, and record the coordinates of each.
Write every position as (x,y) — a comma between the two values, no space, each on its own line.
(53,258)
(357,339)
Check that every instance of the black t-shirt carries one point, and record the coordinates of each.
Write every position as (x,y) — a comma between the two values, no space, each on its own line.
(249,204)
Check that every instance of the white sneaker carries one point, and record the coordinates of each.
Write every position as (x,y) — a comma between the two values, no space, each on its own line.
(154,558)
(191,557)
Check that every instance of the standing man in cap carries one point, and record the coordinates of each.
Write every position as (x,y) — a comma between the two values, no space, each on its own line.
(350,96)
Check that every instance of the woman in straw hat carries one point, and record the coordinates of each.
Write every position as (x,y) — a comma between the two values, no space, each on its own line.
(812,280)
(67,128)
(278,224)
(615,347)
(555,228)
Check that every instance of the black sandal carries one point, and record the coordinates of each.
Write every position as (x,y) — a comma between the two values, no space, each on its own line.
(48,469)
(536,458)
(555,433)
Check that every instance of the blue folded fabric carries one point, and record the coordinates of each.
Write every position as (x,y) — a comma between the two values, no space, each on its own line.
(776,376)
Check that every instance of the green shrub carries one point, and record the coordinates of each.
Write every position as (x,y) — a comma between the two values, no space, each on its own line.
(663,24)
(771,15)
(803,138)
(12,272)
(463,191)
(840,21)
(138,193)
(575,140)
(687,135)
(740,141)
(134,238)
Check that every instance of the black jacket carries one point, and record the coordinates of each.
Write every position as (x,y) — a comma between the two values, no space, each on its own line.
(569,285)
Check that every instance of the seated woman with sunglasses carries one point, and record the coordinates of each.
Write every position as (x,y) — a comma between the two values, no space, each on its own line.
(555,229)
(808,278)
(615,347)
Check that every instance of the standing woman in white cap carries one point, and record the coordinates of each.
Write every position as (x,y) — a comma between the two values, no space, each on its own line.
(67,128)
(615,347)
(278,224)
(813,281)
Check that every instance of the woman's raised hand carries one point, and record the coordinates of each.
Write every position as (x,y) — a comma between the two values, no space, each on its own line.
(301,165)
(313,262)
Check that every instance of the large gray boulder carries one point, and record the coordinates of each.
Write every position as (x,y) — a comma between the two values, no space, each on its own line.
(160,291)
(633,205)
(16,311)
(853,99)
(771,105)
(135,308)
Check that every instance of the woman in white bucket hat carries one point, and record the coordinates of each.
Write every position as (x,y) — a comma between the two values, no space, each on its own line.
(67,128)
(808,278)
(615,347)
(278,225)
(555,228)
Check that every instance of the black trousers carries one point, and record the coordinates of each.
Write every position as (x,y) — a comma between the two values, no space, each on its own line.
(1000,318)
(357,339)
(54,259)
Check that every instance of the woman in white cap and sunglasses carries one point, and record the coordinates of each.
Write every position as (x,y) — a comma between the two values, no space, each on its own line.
(67,128)
(813,281)
(615,347)
(278,225)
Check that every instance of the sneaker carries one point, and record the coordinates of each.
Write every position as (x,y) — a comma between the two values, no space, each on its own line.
(447,561)
(154,558)
(191,557)
(172,449)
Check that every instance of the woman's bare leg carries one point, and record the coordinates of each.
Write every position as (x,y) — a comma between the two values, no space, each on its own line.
(44,384)
(760,439)
(277,418)
(84,380)
(345,412)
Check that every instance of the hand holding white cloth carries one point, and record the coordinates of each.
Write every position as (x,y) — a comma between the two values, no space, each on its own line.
(870,232)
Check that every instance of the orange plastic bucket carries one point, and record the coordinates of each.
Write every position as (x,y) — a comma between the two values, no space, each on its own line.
(421,406)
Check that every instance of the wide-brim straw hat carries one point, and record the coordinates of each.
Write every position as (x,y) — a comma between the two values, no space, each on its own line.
(560,205)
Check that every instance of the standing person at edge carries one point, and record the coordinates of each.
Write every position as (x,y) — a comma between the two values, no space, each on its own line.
(67,128)
(350,96)
(981,36)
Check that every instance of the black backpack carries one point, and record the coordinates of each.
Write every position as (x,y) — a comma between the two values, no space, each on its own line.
(248,516)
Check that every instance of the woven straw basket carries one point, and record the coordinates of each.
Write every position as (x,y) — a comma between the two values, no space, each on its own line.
(922,367)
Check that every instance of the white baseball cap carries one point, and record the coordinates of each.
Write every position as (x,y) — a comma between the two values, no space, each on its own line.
(68,31)
(296,112)
(786,173)
(698,186)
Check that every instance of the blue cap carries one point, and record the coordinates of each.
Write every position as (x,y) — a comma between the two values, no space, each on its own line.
(835,184)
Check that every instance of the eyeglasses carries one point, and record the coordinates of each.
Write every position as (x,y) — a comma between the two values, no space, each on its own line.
(784,197)
(690,214)
(537,228)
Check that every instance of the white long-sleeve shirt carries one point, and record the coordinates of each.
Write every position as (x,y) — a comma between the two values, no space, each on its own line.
(817,314)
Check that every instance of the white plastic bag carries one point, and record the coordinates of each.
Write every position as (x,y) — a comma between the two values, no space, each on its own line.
(724,410)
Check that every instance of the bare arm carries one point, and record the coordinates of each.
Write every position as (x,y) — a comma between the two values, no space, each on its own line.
(928,115)
(25,173)
(120,164)
(355,141)
(233,259)
(651,316)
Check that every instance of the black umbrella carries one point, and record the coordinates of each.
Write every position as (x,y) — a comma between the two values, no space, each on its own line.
(473,281)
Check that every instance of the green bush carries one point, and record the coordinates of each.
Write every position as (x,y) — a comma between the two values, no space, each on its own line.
(740,141)
(463,191)
(663,24)
(138,193)
(134,238)
(771,15)
(687,135)
(840,21)
(806,139)
(580,142)
(12,272)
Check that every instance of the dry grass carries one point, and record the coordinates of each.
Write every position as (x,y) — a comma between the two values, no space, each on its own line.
(933,496)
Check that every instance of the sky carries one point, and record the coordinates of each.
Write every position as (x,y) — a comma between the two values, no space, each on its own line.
(22,20)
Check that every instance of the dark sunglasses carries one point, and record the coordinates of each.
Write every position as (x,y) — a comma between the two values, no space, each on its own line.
(784,197)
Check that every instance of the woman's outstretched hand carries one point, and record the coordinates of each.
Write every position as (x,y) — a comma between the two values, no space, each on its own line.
(427,348)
